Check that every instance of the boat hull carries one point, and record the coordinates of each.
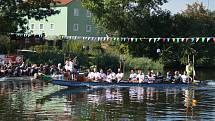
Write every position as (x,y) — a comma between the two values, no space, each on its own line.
(120,84)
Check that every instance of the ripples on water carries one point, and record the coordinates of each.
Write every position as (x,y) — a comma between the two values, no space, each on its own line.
(27,100)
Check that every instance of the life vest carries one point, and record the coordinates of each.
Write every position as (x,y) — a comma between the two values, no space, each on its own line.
(189,70)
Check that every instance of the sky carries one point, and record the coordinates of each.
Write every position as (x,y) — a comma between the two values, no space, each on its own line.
(176,6)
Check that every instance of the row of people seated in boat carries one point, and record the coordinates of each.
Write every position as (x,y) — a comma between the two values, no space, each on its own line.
(140,77)
(151,77)
(178,78)
(101,76)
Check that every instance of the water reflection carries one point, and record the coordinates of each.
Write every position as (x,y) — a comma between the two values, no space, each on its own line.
(28,100)
(10,86)
(130,103)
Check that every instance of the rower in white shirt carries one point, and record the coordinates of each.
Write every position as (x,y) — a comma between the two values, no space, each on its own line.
(90,76)
(102,75)
(133,76)
(140,76)
(185,77)
(119,75)
(67,67)
(96,74)
(111,76)
(151,77)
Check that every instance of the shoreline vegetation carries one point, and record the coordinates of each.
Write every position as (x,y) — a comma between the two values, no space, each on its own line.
(105,55)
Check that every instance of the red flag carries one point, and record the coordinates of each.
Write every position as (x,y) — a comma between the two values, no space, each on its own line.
(129,40)
(164,40)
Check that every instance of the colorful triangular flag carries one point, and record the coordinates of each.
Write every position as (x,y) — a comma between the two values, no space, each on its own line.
(155,39)
(192,39)
(173,39)
(132,39)
(168,39)
(203,40)
(178,40)
(208,39)
(182,39)
(164,40)
(158,39)
(187,39)
(136,39)
(197,39)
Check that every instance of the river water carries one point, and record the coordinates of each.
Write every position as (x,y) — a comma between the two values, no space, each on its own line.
(25,100)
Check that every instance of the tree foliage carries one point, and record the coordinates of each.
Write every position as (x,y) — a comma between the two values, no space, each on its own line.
(125,17)
(14,13)
(145,18)
(7,45)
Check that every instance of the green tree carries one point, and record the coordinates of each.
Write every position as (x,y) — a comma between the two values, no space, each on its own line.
(14,13)
(7,45)
(125,17)
(195,21)
(141,18)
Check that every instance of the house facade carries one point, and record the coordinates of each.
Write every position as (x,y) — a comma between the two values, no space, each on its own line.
(73,20)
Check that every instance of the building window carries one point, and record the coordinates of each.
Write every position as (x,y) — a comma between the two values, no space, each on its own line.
(75,27)
(41,26)
(89,14)
(32,27)
(88,28)
(76,12)
(52,26)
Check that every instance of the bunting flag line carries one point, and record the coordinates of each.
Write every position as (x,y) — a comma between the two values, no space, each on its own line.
(131,39)
(154,40)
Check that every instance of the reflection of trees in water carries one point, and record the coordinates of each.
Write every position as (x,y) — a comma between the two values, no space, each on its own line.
(18,100)
(10,86)
(135,103)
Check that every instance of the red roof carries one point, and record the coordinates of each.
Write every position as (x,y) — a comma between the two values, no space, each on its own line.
(64,2)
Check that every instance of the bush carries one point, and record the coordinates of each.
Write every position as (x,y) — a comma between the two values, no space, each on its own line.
(143,63)
(106,61)
(7,46)
(44,54)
